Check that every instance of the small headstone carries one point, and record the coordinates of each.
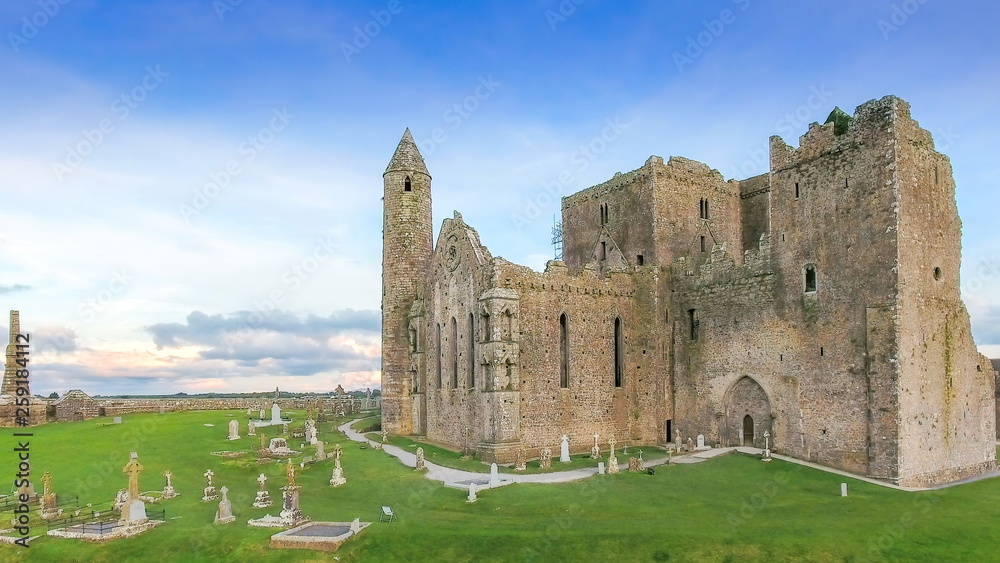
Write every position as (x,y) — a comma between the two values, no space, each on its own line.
(472,493)
(843,489)
(234,429)
(701,441)
(633,464)
(163,409)
(520,463)
(251,429)
(564,450)
(320,454)
(210,493)
(356,525)
(263,499)
(595,452)
(420,460)
(494,475)
(168,490)
(225,513)
(600,468)
(545,458)
(118,420)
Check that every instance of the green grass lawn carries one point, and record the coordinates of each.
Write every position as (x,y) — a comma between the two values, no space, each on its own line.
(731,508)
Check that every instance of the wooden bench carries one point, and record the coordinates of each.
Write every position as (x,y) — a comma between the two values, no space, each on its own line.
(386,513)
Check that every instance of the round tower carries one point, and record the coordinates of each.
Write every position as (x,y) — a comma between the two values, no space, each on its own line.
(406,252)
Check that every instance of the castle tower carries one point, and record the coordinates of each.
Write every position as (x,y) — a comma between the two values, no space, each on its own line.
(9,379)
(406,252)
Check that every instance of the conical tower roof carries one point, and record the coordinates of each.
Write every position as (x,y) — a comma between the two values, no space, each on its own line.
(407,156)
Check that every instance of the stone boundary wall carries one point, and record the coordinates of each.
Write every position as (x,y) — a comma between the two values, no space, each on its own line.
(113,407)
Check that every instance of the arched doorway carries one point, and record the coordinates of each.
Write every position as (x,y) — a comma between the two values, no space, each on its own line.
(748,431)
(748,414)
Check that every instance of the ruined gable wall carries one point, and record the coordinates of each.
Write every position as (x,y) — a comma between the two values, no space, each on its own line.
(458,269)
(947,391)
(629,222)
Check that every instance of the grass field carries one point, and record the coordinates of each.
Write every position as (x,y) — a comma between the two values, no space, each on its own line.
(734,508)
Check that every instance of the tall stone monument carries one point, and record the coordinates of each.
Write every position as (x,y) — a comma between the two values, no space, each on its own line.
(134,510)
(225,513)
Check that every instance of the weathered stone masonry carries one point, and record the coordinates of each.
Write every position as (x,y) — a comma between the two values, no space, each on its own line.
(818,302)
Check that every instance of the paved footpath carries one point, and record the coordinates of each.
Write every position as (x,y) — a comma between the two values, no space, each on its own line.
(460,479)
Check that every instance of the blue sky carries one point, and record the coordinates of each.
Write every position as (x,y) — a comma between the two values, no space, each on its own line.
(192,188)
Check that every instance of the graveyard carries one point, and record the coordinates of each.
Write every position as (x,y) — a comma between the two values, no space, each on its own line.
(730,508)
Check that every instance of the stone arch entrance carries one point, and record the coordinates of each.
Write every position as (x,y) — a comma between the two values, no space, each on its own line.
(748,414)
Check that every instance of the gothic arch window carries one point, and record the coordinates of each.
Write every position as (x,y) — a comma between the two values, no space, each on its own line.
(810,278)
(454,354)
(440,351)
(413,339)
(619,353)
(470,349)
(703,208)
(694,325)
(563,351)
(407,185)
(487,335)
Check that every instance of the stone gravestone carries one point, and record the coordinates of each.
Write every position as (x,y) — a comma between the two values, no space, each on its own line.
(48,505)
(701,442)
(279,447)
(163,409)
(225,513)
(633,464)
(494,475)
(640,465)
(843,489)
(320,454)
(338,478)
(420,460)
(595,452)
(290,511)
(134,510)
(234,429)
(472,493)
(118,420)
(168,489)
(600,468)
(262,413)
(612,460)
(210,493)
(545,458)
(251,429)
(284,428)
(356,526)
(263,499)
(564,450)
(520,463)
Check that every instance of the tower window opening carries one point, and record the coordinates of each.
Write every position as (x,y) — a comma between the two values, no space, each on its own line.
(471,349)
(693,324)
(604,250)
(702,243)
(796,190)
(407,185)
(810,278)
(454,354)
(639,260)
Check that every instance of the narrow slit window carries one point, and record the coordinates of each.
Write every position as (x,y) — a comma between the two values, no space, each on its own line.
(639,260)
(564,351)
(702,243)
(604,250)
(693,324)
(618,353)
(407,185)
(796,190)
(471,349)
(440,350)
(454,354)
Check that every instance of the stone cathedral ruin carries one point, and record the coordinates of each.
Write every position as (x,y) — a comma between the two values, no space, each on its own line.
(818,302)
